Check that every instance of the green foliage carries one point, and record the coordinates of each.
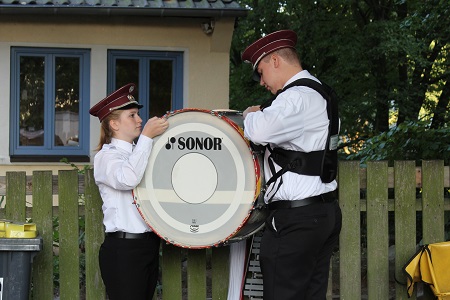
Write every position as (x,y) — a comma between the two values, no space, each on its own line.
(407,141)
(383,58)
(75,167)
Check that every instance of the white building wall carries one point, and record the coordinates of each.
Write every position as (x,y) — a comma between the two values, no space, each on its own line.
(206,57)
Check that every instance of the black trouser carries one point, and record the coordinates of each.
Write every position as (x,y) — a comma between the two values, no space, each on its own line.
(129,267)
(295,257)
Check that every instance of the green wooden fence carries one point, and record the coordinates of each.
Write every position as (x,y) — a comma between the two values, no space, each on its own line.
(370,198)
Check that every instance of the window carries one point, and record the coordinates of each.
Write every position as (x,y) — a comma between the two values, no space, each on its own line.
(49,104)
(157,74)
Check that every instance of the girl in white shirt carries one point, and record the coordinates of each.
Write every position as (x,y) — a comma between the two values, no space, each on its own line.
(130,253)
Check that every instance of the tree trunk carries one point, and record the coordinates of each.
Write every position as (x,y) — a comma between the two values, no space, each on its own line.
(441,108)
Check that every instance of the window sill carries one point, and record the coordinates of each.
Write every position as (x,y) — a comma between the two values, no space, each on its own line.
(48,158)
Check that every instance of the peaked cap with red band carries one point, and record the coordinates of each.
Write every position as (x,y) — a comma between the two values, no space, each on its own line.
(120,99)
(266,45)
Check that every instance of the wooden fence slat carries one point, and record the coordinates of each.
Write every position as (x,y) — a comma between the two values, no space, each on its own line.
(350,237)
(171,272)
(94,236)
(15,196)
(405,221)
(196,274)
(220,269)
(69,259)
(43,218)
(329,294)
(377,230)
(433,201)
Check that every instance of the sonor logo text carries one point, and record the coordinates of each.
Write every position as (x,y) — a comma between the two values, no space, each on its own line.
(191,143)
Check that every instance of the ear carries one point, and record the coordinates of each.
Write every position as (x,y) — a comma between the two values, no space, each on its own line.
(114,124)
(275,59)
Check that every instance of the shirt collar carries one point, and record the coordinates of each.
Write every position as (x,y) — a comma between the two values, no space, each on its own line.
(301,74)
(122,144)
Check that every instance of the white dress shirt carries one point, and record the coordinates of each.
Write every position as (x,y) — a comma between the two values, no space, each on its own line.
(118,169)
(297,120)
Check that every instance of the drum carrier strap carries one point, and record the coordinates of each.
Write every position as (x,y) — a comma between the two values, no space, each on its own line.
(321,163)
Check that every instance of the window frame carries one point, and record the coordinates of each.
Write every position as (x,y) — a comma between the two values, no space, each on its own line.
(49,152)
(144,57)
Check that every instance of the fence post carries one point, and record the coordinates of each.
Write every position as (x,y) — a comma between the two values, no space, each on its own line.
(220,268)
(196,274)
(69,260)
(16,196)
(433,201)
(405,221)
(377,230)
(94,236)
(171,272)
(43,218)
(350,237)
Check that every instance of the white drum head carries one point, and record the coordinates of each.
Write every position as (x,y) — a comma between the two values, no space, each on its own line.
(201,181)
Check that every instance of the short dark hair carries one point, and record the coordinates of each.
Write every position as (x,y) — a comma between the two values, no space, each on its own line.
(288,54)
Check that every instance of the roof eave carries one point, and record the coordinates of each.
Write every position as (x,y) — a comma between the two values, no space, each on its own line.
(120,11)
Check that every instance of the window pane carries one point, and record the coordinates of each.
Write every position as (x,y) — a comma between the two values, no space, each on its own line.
(31,111)
(67,101)
(127,71)
(160,87)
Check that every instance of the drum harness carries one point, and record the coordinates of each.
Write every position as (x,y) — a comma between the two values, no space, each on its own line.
(306,163)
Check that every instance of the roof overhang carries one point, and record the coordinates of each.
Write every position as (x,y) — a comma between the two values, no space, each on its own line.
(120,11)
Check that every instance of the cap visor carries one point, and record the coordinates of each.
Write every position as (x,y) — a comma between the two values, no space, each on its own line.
(131,105)
(256,77)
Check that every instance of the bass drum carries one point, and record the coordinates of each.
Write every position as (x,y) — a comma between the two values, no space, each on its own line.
(202,185)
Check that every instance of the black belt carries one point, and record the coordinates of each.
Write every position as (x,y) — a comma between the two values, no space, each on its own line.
(327,197)
(127,235)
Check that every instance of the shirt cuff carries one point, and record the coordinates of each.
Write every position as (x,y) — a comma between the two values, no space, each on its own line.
(144,142)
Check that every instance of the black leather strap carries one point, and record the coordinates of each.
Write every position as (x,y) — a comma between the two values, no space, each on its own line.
(323,163)
(327,197)
(127,235)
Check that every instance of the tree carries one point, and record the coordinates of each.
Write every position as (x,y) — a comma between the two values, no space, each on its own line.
(387,60)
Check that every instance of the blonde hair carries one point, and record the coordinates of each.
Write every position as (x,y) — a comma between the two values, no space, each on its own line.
(106,132)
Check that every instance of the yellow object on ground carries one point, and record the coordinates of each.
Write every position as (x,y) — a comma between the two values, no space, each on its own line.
(431,264)
(9,229)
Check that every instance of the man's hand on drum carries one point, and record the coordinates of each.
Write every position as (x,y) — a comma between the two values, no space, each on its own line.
(155,126)
(251,109)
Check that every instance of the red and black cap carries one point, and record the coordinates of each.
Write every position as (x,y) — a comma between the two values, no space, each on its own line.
(120,99)
(266,45)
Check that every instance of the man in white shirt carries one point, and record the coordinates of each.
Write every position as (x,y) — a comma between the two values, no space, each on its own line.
(305,219)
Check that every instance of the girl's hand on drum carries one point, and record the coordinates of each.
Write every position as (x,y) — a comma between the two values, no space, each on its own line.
(155,126)
(251,109)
